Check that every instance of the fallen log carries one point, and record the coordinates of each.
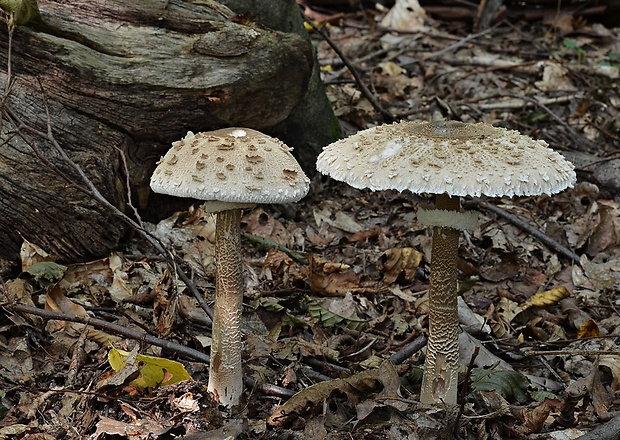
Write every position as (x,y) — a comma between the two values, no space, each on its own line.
(121,80)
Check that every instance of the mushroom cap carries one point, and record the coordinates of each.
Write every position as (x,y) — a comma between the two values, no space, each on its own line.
(232,165)
(455,158)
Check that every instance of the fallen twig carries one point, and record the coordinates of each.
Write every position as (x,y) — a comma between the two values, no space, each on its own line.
(263,244)
(548,241)
(405,353)
(111,328)
(459,43)
(575,135)
(606,431)
(389,117)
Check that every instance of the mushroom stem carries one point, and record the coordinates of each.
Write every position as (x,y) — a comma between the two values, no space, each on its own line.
(225,373)
(440,379)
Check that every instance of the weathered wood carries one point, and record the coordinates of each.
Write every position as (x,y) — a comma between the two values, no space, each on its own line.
(312,124)
(121,75)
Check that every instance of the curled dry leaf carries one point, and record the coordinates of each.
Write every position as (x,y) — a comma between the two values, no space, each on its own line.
(576,317)
(376,384)
(589,330)
(259,222)
(31,254)
(533,419)
(166,304)
(613,363)
(397,261)
(330,279)
(280,264)
(541,299)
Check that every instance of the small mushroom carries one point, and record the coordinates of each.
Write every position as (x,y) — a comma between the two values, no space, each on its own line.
(229,177)
(450,160)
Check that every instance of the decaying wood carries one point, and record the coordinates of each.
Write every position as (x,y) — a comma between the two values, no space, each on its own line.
(132,77)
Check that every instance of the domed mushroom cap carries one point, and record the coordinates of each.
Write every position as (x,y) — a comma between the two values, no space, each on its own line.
(232,165)
(449,157)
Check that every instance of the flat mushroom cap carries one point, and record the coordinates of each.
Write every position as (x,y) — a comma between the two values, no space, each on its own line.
(232,165)
(449,157)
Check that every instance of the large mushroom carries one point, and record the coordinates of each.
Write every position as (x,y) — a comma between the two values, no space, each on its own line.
(230,169)
(449,160)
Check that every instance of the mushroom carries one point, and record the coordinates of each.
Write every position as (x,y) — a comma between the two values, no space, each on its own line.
(449,160)
(230,169)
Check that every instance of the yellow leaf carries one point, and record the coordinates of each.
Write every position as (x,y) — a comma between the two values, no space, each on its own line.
(154,371)
(547,298)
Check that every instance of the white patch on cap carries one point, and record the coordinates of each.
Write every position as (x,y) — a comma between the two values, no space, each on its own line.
(238,133)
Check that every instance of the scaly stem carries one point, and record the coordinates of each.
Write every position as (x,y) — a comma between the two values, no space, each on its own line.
(225,373)
(440,380)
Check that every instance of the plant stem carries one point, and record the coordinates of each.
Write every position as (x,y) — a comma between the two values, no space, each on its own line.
(440,380)
(225,373)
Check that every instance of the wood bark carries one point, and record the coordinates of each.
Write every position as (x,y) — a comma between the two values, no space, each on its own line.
(125,79)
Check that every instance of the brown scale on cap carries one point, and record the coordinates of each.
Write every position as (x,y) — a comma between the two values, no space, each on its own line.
(221,165)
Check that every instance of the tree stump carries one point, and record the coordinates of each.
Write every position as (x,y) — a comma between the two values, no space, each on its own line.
(121,80)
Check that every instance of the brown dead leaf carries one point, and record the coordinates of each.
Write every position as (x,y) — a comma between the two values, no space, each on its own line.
(165,305)
(588,330)
(259,222)
(561,20)
(120,290)
(92,271)
(533,419)
(31,254)
(16,360)
(605,235)
(576,317)
(310,349)
(140,429)
(278,262)
(600,397)
(330,279)
(397,261)
(507,268)
(19,291)
(331,213)
(364,235)
(377,384)
(56,301)
(601,274)
(613,363)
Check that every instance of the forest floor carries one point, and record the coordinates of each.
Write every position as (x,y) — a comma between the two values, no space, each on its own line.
(346,287)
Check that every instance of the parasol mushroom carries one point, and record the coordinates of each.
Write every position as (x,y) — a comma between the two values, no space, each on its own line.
(230,169)
(449,160)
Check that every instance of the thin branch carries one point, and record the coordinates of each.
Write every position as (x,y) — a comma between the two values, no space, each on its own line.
(111,328)
(521,224)
(263,244)
(389,117)
(128,187)
(556,118)
(408,350)
(460,43)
